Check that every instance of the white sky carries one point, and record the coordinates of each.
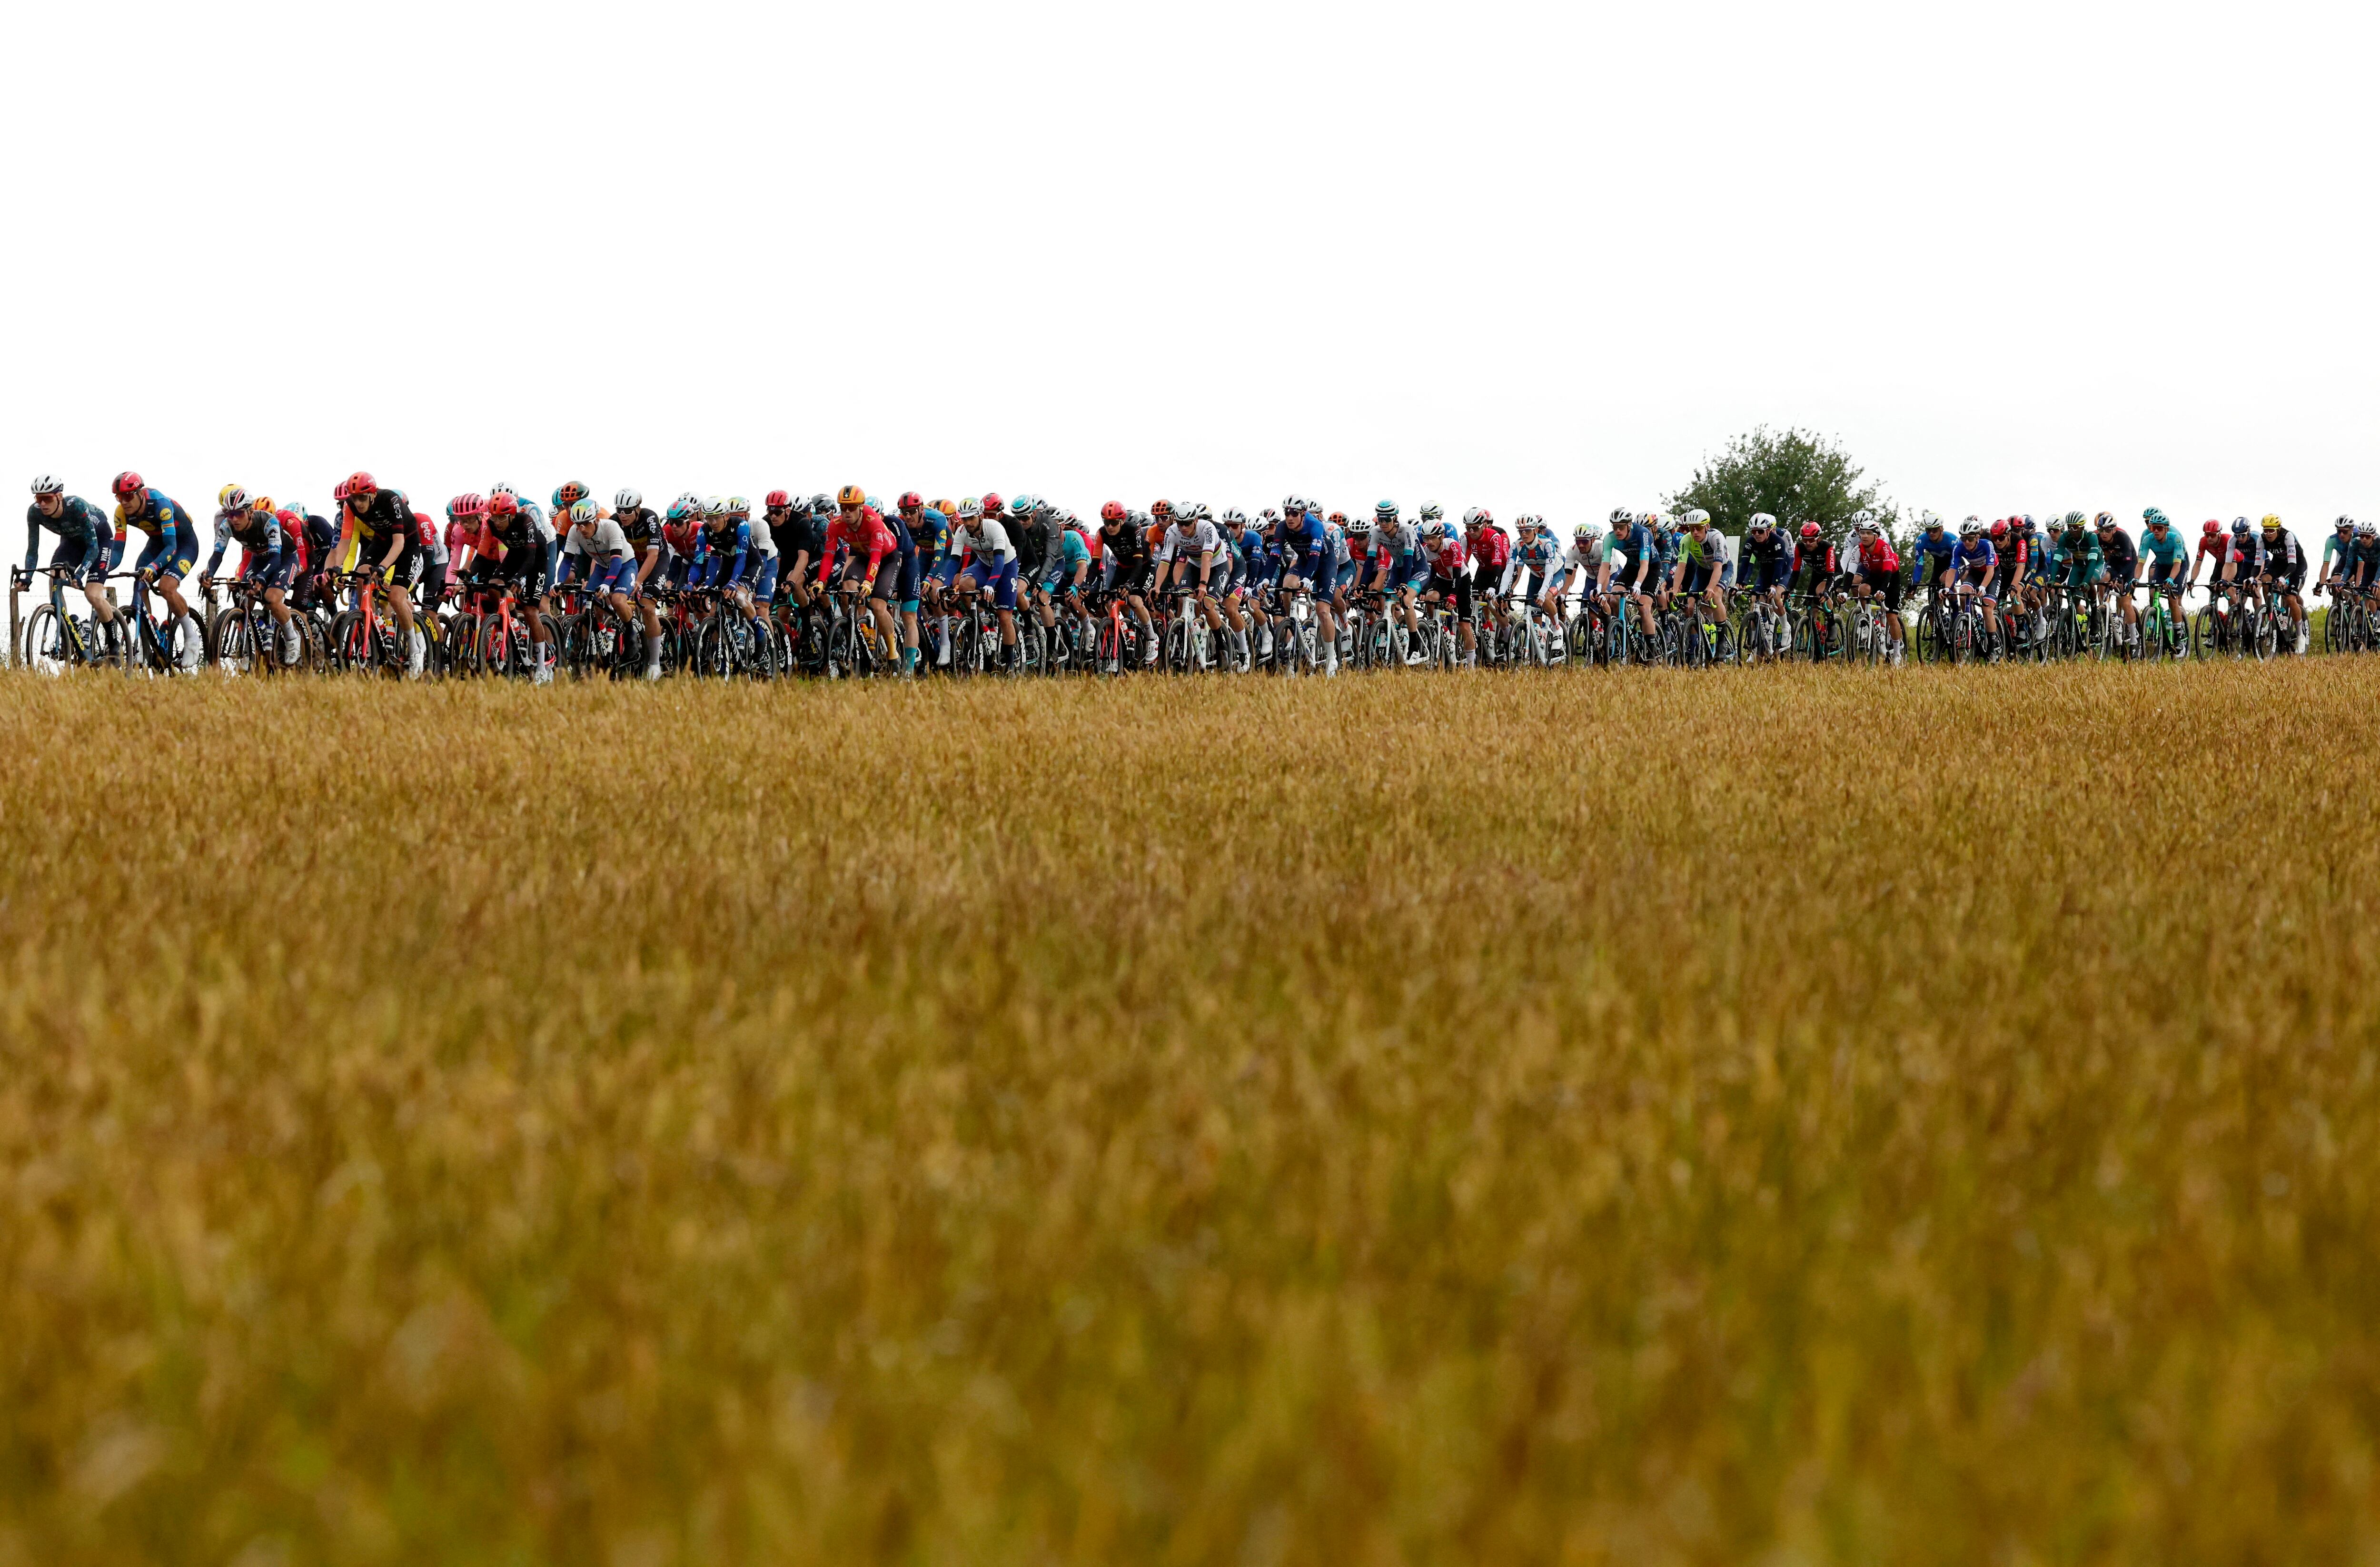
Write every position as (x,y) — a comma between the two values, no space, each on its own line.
(1544,256)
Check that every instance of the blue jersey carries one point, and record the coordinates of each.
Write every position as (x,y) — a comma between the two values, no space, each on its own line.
(161,516)
(1942,548)
(931,534)
(728,546)
(1968,557)
(2170,549)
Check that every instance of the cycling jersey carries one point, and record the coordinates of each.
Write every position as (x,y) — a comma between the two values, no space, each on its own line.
(1491,553)
(2248,554)
(931,535)
(610,538)
(2077,558)
(161,516)
(1706,548)
(1072,555)
(853,536)
(1534,558)
(1878,554)
(2367,559)
(1767,562)
(2170,550)
(1031,538)
(1126,553)
(2116,552)
(1190,541)
(81,528)
(1813,563)
(2282,557)
(728,546)
(641,526)
(259,540)
(386,517)
(1446,557)
(1934,550)
(1978,557)
(986,542)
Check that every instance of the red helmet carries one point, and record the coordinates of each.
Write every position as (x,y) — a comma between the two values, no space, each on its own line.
(1809,530)
(467,505)
(777,500)
(127,481)
(360,483)
(1112,512)
(1999,528)
(909,502)
(339,491)
(500,504)
(991,504)
(2212,527)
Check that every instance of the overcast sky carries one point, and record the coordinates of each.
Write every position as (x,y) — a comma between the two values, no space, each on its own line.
(2018,256)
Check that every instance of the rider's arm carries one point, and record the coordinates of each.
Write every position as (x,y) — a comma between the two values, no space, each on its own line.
(222,541)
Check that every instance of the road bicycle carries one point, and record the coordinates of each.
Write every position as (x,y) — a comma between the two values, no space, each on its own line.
(55,638)
(248,639)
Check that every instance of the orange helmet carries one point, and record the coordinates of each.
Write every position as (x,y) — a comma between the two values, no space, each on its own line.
(850,496)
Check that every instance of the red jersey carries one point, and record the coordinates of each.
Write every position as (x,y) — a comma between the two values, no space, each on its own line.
(1878,554)
(869,535)
(1492,548)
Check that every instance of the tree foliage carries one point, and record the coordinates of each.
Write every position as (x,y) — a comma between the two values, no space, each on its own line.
(1793,475)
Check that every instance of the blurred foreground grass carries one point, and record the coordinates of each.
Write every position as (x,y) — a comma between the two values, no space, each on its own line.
(1781,1116)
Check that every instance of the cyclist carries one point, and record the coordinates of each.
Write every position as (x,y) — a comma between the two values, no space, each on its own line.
(1186,556)
(1974,566)
(172,549)
(2285,571)
(1572,571)
(517,544)
(801,540)
(1879,564)
(2075,563)
(268,557)
(1931,555)
(87,544)
(1630,558)
(1531,562)
(1028,530)
(1398,569)
(607,561)
(1307,561)
(2215,546)
(1067,573)
(2337,554)
(2366,573)
(1490,549)
(1124,568)
(1703,569)
(1449,580)
(641,526)
(990,566)
(929,539)
(390,545)
(2165,555)
(2247,561)
(1816,570)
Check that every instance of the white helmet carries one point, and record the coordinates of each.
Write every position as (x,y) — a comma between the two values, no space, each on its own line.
(687,501)
(231,497)
(503,490)
(1763,520)
(627,500)
(49,484)
(1697,519)
(715,505)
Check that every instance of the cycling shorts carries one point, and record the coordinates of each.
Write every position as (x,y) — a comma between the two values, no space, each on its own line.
(2162,571)
(760,576)
(1697,578)
(1773,573)
(271,571)
(947,573)
(434,577)
(2292,579)
(1886,585)
(83,560)
(171,553)
(1985,580)
(613,574)
(531,566)
(1455,588)
(1002,581)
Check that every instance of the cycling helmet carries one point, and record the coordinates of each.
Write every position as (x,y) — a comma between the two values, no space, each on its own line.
(777,500)
(231,497)
(628,501)
(1385,509)
(2272,523)
(910,501)
(2367,531)
(1431,511)
(582,513)
(48,484)
(1476,517)
(2213,526)
(1622,517)
(990,504)
(361,483)
(263,503)
(1236,519)
(1528,519)
(1810,530)
(1999,530)
(850,496)
(1697,519)
(1969,528)
(504,503)
(1762,521)
(970,509)
(1584,531)
(738,506)
(1359,523)
(1161,510)
(2240,528)
(1199,513)
(575,488)
(678,511)
(127,482)
(874,504)
(1865,523)
(494,490)
(2153,517)
(821,504)
(715,505)
(467,505)
(1112,512)
(2344,525)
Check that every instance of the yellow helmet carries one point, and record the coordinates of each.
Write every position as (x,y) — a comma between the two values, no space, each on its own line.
(2272,523)
(948,508)
(231,495)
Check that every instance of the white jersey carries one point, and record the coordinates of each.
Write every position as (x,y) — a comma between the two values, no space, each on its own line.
(610,540)
(1192,542)
(764,539)
(987,540)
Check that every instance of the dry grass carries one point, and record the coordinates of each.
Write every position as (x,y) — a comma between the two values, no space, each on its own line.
(1643,1119)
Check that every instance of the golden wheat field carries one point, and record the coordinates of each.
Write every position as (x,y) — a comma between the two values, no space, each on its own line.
(1783,1116)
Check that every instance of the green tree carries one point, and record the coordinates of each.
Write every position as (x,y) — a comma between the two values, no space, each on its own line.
(1794,476)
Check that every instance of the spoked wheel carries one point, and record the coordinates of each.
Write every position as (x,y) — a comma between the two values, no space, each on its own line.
(235,643)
